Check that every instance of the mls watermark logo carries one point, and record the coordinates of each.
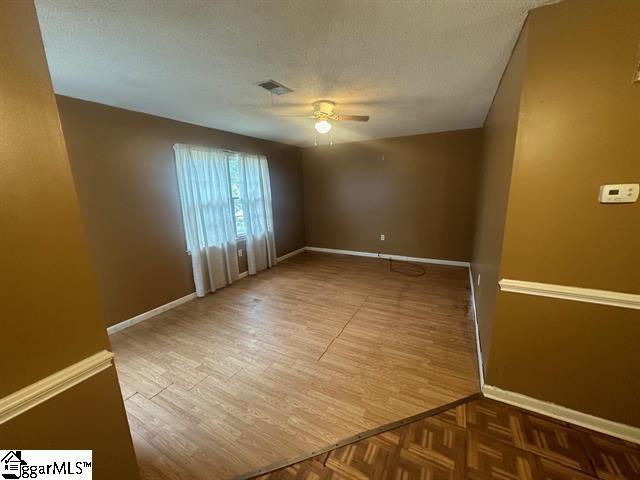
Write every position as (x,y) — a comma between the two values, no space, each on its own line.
(46,464)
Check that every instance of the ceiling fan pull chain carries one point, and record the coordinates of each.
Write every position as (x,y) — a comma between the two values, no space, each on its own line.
(315,138)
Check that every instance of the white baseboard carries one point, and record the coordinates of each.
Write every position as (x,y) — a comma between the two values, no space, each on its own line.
(608,427)
(168,306)
(475,323)
(32,395)
(291,254)
(576,294)
(157,311)
(455,263)
(151,313)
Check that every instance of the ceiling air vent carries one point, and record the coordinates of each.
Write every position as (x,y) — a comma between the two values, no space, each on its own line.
(275,87)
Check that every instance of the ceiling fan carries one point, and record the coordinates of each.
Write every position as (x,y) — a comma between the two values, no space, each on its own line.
(323,114)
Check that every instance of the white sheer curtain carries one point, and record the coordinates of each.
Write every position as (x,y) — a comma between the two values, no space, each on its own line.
(255,193)
(207,212)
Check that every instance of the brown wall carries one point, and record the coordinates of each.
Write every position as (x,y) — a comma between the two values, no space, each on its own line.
(577,130)
(89,416)
(499,139)
(124,170)
(51,315)
(418,190)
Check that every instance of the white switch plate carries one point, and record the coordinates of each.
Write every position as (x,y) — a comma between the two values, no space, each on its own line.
(619,193)
(239,252)
(382,237)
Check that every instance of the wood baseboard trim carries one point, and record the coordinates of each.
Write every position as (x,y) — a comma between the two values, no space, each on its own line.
(437,261)
(608,427)
(39,392)
(576,294)
(290,254)
(151,313)
(355,438)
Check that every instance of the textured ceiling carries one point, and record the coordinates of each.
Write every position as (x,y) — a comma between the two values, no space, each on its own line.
(413,66)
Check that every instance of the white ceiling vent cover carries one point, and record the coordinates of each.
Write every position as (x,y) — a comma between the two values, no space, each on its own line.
(275,87)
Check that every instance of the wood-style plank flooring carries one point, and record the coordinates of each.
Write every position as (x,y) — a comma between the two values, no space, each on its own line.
(291,361)
(479,440)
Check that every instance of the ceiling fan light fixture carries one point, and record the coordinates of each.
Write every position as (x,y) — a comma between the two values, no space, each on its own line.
(323,126)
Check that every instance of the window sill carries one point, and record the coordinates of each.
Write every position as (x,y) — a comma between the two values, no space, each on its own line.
(238,240)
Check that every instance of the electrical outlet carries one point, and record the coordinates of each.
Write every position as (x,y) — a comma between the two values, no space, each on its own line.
(478,281)
(239,252)
(382,237)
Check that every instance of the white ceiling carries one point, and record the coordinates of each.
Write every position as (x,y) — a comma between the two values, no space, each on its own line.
(414,66)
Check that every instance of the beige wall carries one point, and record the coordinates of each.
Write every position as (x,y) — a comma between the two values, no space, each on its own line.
(124,171)
(50,310)
(577,130)
(418,190)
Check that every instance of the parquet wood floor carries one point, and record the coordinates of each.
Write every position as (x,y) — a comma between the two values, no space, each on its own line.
(478,440)
(293,360)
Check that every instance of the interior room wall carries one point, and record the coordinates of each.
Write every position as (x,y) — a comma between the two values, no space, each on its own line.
(51,317)
(499,139)
(577,130)
(419,191)
(124,170)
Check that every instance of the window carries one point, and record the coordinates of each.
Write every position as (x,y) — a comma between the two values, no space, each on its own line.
(224,196)
(234,182)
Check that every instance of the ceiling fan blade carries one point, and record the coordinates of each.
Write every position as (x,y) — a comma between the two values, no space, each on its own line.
(354,118)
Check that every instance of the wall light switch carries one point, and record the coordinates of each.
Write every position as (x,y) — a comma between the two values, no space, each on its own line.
(619,193)
(382,237)
(478,281)
(239,252)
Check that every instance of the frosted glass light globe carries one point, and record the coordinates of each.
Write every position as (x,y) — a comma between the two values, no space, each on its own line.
(323,126)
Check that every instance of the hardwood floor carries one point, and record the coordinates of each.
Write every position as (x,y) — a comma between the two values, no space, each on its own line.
(292,361)
(482,440)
